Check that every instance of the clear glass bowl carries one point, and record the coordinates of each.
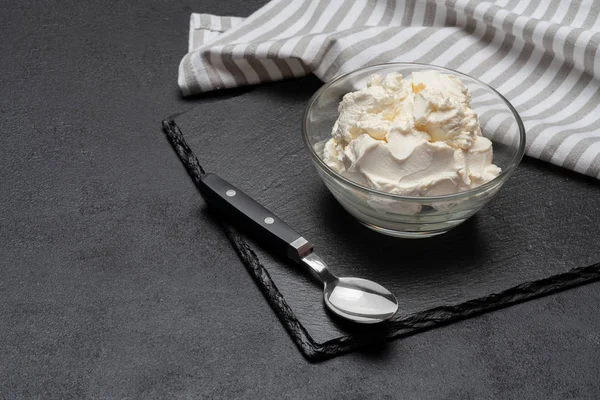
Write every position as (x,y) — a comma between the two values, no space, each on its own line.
(409,216)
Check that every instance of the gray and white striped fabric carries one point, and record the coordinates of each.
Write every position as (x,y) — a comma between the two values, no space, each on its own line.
(542,55)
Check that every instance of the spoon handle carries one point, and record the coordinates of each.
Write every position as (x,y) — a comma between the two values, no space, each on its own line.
(254,218)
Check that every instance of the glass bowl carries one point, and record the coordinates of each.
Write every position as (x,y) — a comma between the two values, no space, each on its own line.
(411,216)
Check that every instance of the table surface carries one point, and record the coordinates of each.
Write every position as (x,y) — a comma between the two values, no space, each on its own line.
(111,288)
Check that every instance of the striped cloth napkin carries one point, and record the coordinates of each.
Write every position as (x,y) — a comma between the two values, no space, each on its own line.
(541,55)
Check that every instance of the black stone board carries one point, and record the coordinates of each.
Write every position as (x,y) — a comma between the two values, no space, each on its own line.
(529,241)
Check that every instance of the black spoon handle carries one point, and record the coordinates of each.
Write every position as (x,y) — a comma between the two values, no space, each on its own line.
(248,214)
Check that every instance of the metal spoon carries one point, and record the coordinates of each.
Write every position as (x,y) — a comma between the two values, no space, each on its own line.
(354,299)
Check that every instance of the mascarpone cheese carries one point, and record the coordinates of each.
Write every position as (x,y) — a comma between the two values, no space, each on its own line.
(415,137)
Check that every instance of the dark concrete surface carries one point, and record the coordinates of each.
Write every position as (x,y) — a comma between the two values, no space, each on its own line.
(114,285)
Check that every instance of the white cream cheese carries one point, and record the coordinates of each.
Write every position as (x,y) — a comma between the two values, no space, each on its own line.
(416,137)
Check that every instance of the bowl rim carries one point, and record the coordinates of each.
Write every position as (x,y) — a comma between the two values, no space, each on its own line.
(504,174)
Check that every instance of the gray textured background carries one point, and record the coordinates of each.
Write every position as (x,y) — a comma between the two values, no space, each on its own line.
(113,283)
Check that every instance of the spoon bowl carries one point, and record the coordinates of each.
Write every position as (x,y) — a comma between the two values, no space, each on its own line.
(355,299)
(359,300)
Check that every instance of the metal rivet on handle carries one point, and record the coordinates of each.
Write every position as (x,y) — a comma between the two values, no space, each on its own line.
(269,220)
(230,193)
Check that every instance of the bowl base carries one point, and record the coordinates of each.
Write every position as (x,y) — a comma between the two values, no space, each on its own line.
(407,234)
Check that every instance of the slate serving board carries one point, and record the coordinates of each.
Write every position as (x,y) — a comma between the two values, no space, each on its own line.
(539,235)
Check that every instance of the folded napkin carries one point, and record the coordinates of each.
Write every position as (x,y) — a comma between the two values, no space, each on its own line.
(541,55)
